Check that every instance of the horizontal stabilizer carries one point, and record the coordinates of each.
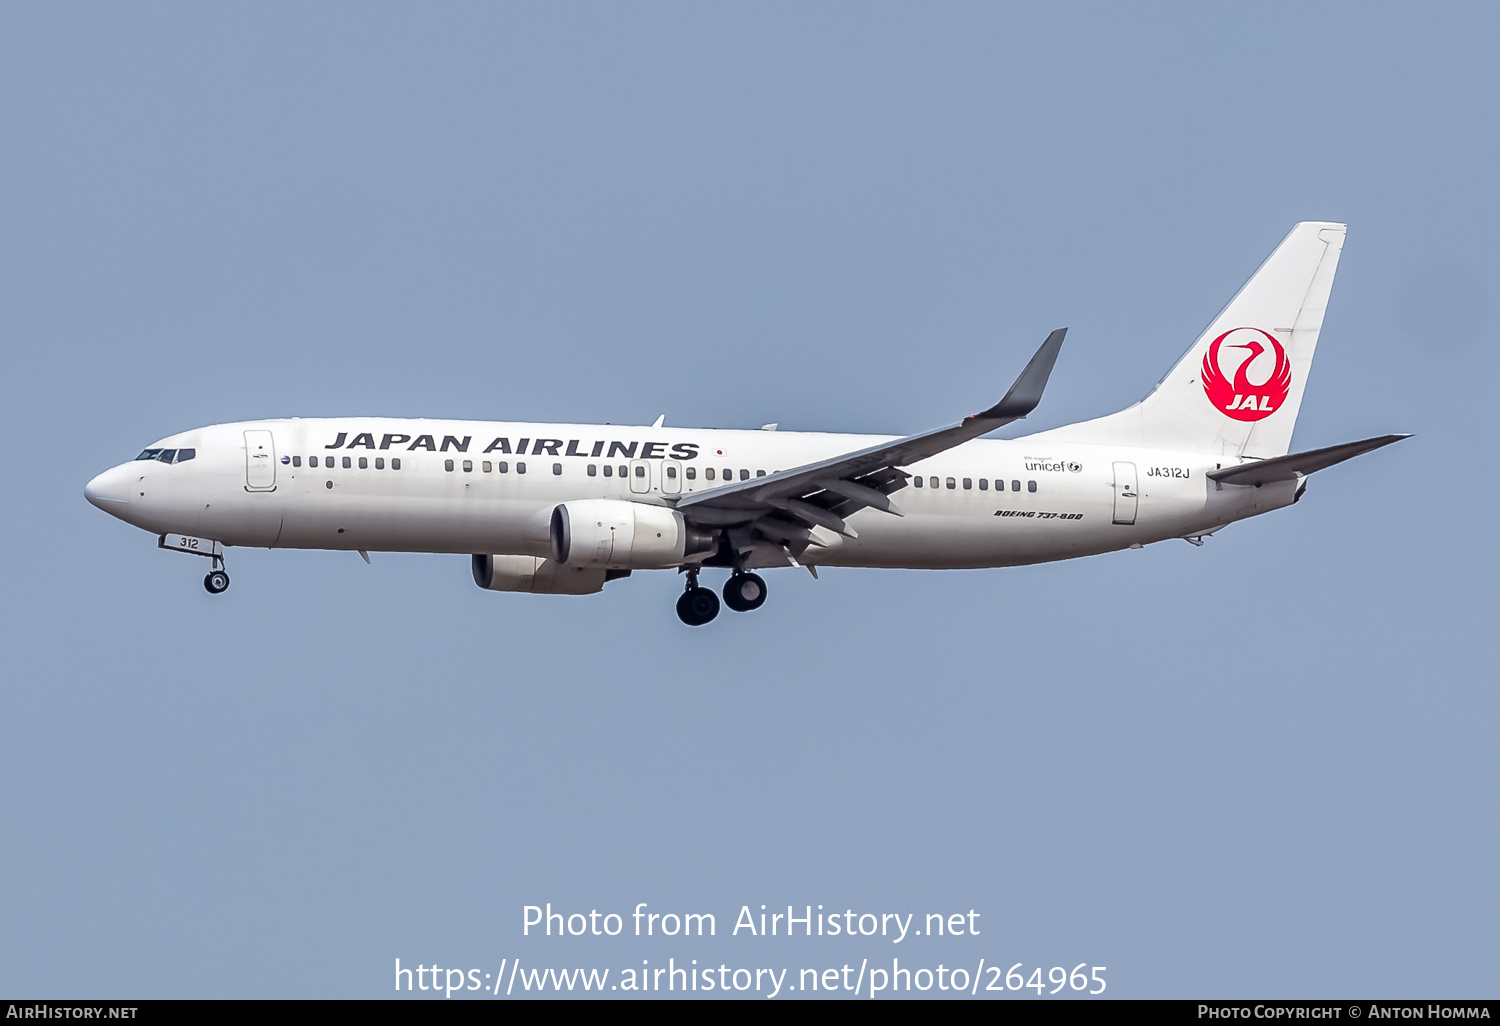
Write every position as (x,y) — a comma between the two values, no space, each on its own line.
(1287,468)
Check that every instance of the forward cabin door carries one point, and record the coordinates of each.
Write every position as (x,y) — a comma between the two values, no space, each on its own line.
(260,462)
(1126,496)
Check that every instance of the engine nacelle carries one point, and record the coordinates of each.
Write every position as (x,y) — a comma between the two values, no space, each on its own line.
(539,576)
(615,534)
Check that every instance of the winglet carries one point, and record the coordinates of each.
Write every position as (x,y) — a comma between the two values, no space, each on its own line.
(1026,393)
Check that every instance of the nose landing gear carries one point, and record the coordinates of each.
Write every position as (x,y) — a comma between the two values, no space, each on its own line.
(216,582)
(697,606)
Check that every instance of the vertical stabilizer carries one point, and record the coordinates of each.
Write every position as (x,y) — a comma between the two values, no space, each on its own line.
(1237,390)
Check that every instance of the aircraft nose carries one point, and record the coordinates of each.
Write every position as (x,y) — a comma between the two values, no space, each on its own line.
(110,491)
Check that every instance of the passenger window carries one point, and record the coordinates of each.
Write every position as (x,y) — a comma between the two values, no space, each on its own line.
(671,472)
(968,483)
(624,470)
(744,475)
(708,473)
(728,474)
(486,466)
(296,461)
(917,481)
(364,463)
(608,470)
(395,462)
(760,473)
(183,455)
(468,466)
(594,470)
(346,463)
(1015,486)
(1031,486)
(312,461)
(640,471)
(520,468)
(448,465)
(379,462)
(932,481)
(503,467)
(984,484)
(166,455)
(557,470)
(691,472)
(952,483)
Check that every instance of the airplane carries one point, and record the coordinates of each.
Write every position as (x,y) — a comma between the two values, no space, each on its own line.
(563,509)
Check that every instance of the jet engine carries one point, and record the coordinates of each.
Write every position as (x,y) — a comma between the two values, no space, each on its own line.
(539,576)
(615,534)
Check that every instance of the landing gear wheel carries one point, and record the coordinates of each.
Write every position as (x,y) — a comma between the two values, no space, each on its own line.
(217,582)
(697,606)
(744,592)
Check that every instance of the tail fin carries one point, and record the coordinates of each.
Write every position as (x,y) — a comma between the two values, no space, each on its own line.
(1238,389)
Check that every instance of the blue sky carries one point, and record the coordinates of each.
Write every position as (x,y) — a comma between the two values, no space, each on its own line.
(1265,767)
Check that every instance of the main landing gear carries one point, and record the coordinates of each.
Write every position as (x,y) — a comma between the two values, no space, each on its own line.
(742,593)
(697,606)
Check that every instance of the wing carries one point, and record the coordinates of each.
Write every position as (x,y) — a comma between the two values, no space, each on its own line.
(784,508)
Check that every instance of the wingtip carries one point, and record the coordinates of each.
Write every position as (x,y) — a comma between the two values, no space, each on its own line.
(1026,393)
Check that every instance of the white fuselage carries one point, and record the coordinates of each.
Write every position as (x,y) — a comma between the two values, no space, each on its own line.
(985,503)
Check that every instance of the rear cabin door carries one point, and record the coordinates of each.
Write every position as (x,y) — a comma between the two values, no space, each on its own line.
(260,462)
(1126,496)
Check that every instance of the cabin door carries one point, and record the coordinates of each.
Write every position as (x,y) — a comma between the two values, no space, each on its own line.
(260,462)
(1126,496)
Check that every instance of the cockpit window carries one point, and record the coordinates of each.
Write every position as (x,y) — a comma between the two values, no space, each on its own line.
(168,455)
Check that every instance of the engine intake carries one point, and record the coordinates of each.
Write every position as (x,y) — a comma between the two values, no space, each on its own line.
(620,535)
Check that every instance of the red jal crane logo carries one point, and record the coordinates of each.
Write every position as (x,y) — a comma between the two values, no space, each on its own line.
(1239,398)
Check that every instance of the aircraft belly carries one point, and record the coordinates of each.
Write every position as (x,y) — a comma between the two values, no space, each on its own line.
(420,524)
(938,542)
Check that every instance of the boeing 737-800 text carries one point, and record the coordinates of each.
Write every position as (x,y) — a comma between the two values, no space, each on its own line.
(565,508)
